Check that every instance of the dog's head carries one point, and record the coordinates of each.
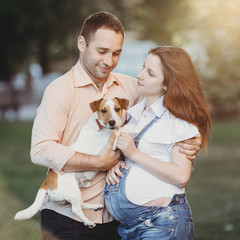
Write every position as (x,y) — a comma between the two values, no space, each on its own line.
(110,111)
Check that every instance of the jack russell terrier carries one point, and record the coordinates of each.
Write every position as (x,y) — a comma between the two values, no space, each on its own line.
(92,139)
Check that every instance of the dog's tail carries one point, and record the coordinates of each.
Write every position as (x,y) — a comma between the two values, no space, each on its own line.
(34,208)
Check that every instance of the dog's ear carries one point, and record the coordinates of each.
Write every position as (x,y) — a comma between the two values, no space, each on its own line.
(95,104)
(123,102)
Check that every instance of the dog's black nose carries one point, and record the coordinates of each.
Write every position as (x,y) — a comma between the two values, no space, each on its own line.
(112,123)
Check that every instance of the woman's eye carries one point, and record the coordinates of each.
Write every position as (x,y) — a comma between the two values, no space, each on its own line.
(150,73)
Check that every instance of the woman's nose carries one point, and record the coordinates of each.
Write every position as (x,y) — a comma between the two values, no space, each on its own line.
(140,75)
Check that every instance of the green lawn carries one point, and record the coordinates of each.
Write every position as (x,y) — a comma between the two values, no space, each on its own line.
(213,191)
(214,188)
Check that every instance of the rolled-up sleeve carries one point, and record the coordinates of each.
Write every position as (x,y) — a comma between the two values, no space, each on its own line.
(48,129)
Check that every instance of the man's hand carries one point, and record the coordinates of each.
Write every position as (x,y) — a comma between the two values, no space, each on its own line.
(107,157)
(113,173)
(190,147)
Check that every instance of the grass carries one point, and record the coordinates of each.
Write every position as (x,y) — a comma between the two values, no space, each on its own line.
(19,181)
(213,191)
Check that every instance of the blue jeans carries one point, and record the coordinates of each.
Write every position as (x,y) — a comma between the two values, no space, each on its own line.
(149,222)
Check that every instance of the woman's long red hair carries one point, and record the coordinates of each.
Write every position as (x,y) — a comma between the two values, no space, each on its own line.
(184,97)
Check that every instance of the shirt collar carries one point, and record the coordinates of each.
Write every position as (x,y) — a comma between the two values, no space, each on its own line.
(157,108)
(82,79)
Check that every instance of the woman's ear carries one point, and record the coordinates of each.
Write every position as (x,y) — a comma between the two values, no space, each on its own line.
(81,43)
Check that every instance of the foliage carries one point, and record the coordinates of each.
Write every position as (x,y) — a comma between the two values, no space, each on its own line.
(41,29)
(44,30)
(201,26)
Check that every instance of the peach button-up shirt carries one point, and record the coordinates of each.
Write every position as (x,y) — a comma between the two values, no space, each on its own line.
(63,112)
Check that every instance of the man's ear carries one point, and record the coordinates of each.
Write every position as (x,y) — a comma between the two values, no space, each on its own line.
(95,104)
(81,43)
(123,102)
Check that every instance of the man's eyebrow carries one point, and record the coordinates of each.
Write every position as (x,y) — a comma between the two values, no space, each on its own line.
(102,48)
(106,49)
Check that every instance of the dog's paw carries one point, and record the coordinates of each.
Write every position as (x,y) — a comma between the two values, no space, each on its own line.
(90,224)
(100,207)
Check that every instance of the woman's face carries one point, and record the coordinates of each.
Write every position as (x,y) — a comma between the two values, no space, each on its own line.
(151,78)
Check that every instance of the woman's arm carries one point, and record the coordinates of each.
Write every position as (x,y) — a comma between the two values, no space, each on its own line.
(177,172)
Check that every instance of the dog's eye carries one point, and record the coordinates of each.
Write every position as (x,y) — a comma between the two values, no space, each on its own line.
(104,110)
(117,109)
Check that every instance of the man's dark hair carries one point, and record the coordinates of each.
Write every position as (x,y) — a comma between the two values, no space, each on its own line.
(100,20)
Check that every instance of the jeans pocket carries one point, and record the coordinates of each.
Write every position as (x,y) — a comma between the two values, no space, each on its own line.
(165,219)
(189,228)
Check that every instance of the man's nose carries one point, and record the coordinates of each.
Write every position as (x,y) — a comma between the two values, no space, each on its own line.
(108,60)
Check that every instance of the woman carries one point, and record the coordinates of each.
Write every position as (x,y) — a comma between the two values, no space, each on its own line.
(150,201)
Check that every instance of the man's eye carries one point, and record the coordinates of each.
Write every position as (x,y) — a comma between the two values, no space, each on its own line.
(103,110)
(117,109)
(102,52)
(116,54)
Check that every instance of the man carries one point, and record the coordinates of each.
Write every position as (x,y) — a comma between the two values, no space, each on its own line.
(62,113)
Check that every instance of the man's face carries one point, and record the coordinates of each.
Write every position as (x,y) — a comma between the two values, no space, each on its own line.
(102,54)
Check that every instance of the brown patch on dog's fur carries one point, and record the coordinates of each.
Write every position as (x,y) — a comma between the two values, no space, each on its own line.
(50,181)
(95,105)
(122,102)
(104,116)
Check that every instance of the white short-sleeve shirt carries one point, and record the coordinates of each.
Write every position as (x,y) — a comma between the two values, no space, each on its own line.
(157,142)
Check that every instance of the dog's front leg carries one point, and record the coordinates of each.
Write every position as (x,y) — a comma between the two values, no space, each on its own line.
(92,206)
(115,143)
(76,208)
(117,133)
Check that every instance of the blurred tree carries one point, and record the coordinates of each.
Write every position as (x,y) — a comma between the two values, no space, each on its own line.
(45,29)
(42,29)
(15,40)
(215,25)
(159,19)
(203,26)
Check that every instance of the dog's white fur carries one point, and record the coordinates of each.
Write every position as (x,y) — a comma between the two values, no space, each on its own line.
(91,140)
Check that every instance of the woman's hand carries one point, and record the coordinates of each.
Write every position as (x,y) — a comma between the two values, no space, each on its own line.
(126,144)
(114,172)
